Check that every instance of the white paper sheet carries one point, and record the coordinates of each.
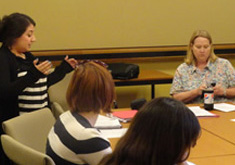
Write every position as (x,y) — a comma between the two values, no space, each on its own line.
(224,107)
(104,122)
(113,133)
(190,163)
(199,112)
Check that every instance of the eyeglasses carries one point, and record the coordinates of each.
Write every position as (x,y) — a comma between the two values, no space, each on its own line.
(101,63)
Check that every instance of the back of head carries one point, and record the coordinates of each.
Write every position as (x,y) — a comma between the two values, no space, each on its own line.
(161,133)
(91,88)
(13,26)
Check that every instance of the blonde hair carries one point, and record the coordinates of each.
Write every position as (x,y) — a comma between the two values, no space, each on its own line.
(190,58)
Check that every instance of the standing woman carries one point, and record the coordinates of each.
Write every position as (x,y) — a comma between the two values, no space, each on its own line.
(23,80)
(202,68)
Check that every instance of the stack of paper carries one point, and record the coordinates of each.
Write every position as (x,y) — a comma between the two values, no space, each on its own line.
(110,127)
(104,122)
(199,112)
(224,107)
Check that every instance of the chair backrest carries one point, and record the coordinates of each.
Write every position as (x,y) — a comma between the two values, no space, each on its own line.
(31,129)
(57,92)
(22,154)
(56,109)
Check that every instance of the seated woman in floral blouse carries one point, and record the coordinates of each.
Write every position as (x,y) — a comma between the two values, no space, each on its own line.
(200,70)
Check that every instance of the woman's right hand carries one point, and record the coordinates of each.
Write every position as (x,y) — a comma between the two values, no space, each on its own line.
(201,88)
(44,67)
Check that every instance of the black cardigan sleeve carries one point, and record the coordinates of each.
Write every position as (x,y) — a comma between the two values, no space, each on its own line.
(59,73)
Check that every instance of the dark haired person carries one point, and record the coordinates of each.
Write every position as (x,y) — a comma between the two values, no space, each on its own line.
(202,68)
(73,139)
(161,133)
(23,80)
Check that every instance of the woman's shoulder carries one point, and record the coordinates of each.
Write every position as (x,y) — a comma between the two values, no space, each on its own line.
(184,66)
(222,61)
(73,120)
(4,51)
(6,56)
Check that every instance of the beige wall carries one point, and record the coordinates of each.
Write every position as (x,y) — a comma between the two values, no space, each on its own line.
(70,24)
(75,24)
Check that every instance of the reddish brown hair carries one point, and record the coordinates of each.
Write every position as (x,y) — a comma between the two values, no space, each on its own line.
(91,89)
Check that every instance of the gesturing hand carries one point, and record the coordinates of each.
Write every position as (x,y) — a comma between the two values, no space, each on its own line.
(201,88)
(44,67)
(72,62)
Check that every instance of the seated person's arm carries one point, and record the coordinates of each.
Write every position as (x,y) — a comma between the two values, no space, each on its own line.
(189,95)
(179,92)
(229,92)
(228,80)
(226,92)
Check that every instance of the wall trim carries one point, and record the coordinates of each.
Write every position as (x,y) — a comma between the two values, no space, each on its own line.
(131,54)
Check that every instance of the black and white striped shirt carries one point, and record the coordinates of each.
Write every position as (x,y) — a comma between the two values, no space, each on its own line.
(34,96)
(73,140)
(13,83)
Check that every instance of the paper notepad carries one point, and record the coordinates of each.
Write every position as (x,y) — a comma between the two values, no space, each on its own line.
(113,133)
(125,115)
(104,122)
(199,112)
(190,163)
(224,107)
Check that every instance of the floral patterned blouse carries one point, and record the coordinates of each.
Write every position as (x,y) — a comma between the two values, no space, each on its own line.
(189,77)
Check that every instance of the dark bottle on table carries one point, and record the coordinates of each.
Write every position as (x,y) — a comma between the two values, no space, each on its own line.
(208,99)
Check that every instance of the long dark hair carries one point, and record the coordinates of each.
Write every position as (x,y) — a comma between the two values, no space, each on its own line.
(13,26)
(160,134)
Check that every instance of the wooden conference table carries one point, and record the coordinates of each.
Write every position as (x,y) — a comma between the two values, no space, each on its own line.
(216,144)
(147,77)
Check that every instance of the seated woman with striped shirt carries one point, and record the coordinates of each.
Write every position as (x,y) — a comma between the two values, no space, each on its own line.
(73,139)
